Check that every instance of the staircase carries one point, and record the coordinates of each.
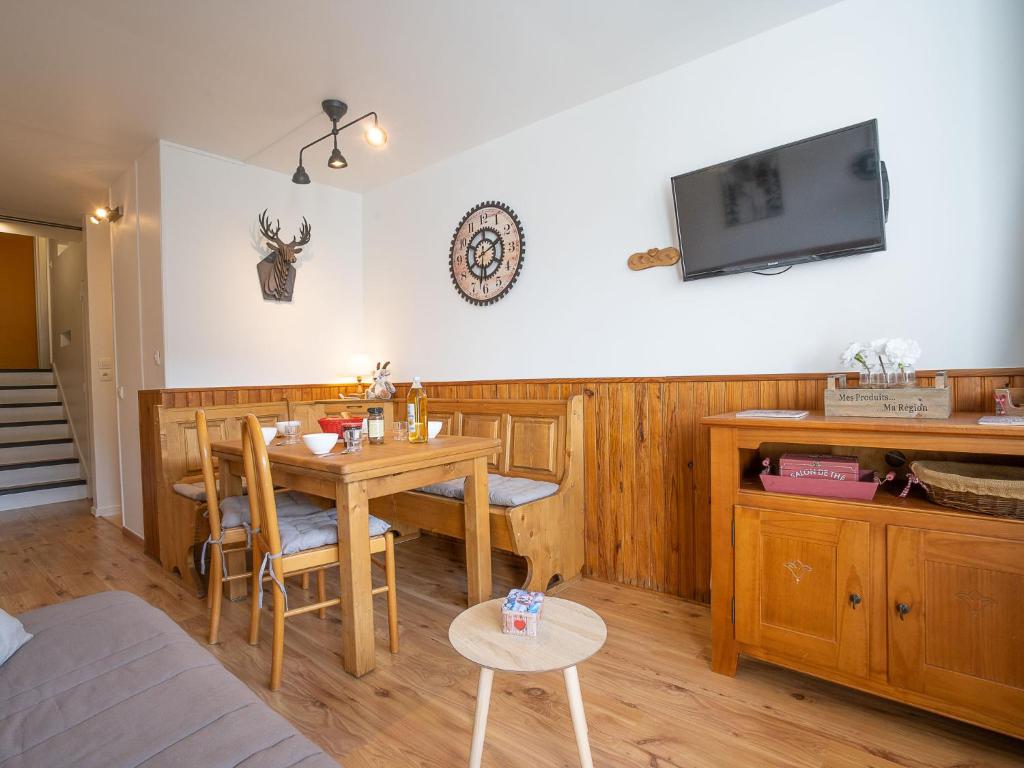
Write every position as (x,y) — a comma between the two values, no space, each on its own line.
(37,455)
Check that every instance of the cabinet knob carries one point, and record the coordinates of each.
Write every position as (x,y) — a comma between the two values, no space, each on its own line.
(902,609)
(855,600)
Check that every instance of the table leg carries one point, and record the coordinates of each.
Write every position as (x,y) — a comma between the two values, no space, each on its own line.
(357,651)
(231,485)
(483,703)
(579,720)
(478,534)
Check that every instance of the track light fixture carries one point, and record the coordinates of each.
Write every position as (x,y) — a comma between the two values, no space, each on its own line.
(107,214)
(335,109)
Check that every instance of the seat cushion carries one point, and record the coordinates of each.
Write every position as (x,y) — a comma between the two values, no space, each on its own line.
(108,681)
(502,491)
(191,491)
(317,529)
(234,510)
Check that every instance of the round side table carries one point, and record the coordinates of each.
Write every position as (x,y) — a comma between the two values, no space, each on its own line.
(569,633)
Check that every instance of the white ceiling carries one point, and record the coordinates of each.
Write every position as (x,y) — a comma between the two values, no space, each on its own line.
(86,86)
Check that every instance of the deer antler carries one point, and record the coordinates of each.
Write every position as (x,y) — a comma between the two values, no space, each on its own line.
(270,233)
(305,231)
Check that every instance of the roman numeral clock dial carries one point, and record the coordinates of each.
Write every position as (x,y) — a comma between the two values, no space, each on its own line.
(486,253)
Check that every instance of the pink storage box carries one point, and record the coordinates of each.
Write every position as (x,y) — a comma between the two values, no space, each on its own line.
(825,467)
(862,488)
(520,612)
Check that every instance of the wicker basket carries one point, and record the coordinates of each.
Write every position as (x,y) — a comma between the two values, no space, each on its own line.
(988,489)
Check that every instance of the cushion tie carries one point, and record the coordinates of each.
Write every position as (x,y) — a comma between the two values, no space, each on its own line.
(249,531)
(263,567)
(219,543)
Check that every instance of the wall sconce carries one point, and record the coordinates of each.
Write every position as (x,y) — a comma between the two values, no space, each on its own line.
(107,214)
(335,109)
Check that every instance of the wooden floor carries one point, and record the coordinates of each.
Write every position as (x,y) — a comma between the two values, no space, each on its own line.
(651,698)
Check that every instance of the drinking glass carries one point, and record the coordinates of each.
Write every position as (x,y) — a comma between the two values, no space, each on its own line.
(401,430)
(353,440)
(289,431)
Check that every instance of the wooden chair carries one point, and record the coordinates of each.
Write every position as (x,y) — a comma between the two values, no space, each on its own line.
(230,531)
(281,556)
(181,492)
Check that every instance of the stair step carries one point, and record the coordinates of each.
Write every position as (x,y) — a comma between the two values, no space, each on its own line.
(25,377)
(42,493)
(20,431)
(35,412)
(33,472)
(18,395)
(36,450)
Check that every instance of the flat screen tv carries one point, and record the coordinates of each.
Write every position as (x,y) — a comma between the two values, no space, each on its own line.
(819,198)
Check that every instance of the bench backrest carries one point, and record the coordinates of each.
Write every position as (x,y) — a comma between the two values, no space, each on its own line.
(179,444)
(309,412)
(537,436)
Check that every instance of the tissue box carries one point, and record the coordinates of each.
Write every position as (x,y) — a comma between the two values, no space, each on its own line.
(520,613)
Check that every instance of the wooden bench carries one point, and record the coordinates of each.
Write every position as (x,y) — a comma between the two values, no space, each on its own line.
(541,440)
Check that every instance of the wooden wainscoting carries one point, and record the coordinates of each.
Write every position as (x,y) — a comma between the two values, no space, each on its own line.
(647,462)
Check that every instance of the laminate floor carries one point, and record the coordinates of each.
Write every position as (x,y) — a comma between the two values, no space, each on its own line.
(651,698)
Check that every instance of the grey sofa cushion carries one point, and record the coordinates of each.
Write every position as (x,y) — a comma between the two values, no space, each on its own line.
(108,681)
(234,510)
(318,529)
(503,491)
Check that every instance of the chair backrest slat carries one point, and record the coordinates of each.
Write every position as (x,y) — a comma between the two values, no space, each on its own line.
(262,504)
(209,478)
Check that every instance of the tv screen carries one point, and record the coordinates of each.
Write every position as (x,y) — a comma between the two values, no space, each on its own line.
(813,199)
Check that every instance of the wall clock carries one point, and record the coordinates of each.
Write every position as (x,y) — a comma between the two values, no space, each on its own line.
(486,253)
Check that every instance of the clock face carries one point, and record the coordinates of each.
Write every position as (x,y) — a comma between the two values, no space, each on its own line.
(486,253)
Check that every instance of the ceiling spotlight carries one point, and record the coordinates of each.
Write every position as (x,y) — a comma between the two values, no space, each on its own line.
(335,109)
(376,136)
(105,213)
(337,159)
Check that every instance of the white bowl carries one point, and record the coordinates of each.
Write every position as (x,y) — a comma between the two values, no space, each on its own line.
(269,433)
(320,443)
(434,428)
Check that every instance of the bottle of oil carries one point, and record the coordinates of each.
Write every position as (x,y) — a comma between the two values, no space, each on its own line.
(416,412)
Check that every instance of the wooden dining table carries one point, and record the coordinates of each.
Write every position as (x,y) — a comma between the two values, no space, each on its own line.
(351,480)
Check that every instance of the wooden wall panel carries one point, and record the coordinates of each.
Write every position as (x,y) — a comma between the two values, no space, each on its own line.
(647,461)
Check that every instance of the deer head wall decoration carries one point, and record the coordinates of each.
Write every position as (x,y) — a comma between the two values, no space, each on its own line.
(276,271)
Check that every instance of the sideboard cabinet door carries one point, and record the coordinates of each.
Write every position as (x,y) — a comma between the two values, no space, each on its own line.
(802,587)
(956,618)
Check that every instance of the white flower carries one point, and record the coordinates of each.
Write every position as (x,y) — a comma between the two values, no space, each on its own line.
(877,358)
(857,355)
(903,353)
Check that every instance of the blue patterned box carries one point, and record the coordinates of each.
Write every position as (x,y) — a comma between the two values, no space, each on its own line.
(520,613)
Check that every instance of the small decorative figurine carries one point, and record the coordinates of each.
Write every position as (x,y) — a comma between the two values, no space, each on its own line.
(520,613)
(382,388)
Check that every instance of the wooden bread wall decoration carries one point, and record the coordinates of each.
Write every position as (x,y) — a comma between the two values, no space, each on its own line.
(653,257)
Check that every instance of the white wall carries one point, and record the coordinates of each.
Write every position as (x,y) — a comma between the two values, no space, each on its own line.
(218,329)
(591,185)
(105,476)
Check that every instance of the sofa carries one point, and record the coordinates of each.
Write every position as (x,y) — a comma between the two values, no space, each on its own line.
(109,681)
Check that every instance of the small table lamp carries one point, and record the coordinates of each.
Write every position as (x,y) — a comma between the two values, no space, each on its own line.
(360,362)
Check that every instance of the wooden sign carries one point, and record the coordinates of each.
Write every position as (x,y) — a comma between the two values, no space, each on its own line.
(896,403)
(654,257)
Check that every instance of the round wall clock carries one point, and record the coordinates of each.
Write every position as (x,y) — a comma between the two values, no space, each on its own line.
(486,254)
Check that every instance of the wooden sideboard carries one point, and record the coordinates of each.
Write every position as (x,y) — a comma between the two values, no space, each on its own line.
(896,596)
